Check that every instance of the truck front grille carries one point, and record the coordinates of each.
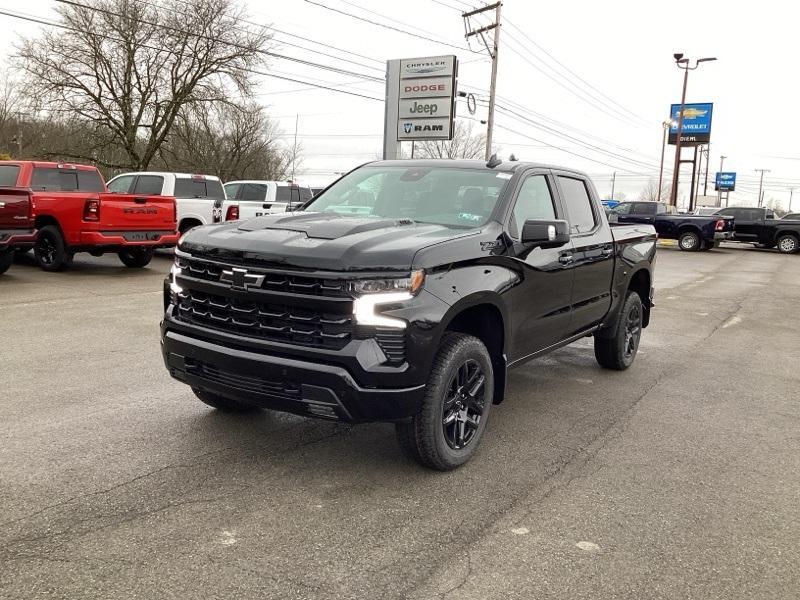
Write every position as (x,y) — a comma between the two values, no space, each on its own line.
(281,389)
(274,281)
(278,322)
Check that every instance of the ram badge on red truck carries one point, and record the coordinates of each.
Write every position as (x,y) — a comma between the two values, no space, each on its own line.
(74,212)
(16,217)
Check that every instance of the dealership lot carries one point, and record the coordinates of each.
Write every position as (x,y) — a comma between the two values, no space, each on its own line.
(677,478)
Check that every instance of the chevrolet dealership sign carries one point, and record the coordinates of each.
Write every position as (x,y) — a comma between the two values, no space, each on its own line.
(421,93)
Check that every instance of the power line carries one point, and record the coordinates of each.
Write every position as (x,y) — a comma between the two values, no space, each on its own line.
(33,19)
(385,26)
(239,46)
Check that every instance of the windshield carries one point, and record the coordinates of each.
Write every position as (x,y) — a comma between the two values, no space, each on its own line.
(441,195)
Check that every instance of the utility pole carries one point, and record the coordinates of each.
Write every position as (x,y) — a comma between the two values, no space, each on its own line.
(492,48)
(613,184)
(791,193)
(699,172)
(294,148)
(722,158)
(683,63)
(761,184)
(665,126)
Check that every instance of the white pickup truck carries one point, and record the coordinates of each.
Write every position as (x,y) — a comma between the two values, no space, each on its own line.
(199,199)
(259,198)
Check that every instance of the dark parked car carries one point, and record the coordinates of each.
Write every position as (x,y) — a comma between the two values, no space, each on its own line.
(761,227)
(403,293)
(693,232)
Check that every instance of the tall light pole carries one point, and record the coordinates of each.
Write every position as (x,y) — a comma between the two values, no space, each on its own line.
(665,126)
(761,183)
(722,158)
(685,64)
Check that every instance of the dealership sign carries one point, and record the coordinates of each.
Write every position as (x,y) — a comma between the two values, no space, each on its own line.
(424,96)
(725,182)
(696,126)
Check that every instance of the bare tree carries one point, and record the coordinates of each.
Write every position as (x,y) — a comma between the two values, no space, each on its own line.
(650,192)
(233,142)
(465,144)
(130,68)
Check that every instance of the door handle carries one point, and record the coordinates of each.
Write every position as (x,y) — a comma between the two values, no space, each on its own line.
(565,259)
(607,251)
(140,200)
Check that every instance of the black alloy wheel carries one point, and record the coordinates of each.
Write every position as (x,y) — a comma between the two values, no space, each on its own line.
(463,407)
(633,330)
(50,251)
(616,347)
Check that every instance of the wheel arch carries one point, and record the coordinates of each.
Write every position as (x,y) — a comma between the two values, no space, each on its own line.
(641,282)
(484,317)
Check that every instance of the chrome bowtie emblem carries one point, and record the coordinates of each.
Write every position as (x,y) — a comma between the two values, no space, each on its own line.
(240,279)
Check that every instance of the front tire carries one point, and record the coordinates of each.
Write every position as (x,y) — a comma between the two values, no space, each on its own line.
(446,432)
(136,258)
(6,258)
(618,350)
(788,244)
(221,403)
(689,241)
(50,250)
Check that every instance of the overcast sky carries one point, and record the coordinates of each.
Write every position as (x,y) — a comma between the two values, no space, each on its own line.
(623,49)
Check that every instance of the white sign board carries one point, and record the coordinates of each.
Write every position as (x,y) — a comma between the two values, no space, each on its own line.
(424,129)
(420,100)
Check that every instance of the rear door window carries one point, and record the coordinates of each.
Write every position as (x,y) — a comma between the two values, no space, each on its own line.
(256,192)
(644,208)
(122,184)
(149,184)
(8,175)
(579,205)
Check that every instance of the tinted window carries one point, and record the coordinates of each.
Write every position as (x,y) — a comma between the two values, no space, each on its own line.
(644,208)
(8,175)
(282,194)
(149,184)
(579,205)
(231,189)
(770,215)
(199,188)
(533,202)
(121,185)
(90,181)
(66,180)
(253,191)
(622,209)
(306,194)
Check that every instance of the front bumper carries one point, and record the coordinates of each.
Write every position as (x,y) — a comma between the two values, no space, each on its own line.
(15,238)
(292,385)
(151,239)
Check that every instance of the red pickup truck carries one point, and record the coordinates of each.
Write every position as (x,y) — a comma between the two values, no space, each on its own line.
(73,211)
(16,223)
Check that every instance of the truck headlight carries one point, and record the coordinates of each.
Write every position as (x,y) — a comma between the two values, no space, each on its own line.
(370,293)
(174,288)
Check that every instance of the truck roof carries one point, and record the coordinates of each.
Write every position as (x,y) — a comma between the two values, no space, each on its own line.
(49,164)
(162,173)
(509,166)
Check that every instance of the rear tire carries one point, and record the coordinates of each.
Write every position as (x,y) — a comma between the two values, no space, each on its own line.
(788,243)
(221,403)
(446,432)
(136,258)
(6,258)
(689,241)
(618,350)
(50,250)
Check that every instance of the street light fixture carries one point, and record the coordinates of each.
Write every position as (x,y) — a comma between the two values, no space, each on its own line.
(685,64)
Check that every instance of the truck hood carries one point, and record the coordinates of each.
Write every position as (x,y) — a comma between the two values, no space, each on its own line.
(320,241)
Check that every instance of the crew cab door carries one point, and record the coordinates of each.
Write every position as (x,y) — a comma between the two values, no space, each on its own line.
(592,259)
(747,222)
(540,303)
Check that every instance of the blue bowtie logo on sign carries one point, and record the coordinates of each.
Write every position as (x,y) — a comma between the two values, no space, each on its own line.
(407,127)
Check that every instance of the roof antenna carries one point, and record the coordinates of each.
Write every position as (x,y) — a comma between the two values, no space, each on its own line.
(493,161)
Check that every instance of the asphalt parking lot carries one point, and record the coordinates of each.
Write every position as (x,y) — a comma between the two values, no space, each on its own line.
(679,478)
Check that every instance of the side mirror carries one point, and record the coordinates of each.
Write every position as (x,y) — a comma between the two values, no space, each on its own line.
(546,234)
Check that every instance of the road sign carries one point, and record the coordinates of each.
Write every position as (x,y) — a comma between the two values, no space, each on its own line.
(420,100)
(696,128)
(725,182)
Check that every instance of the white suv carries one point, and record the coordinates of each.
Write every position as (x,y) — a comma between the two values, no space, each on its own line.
(259,198)
(200,199)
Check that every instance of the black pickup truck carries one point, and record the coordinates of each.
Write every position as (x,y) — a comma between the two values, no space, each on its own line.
(693,232)
(761,227)
(403,293)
